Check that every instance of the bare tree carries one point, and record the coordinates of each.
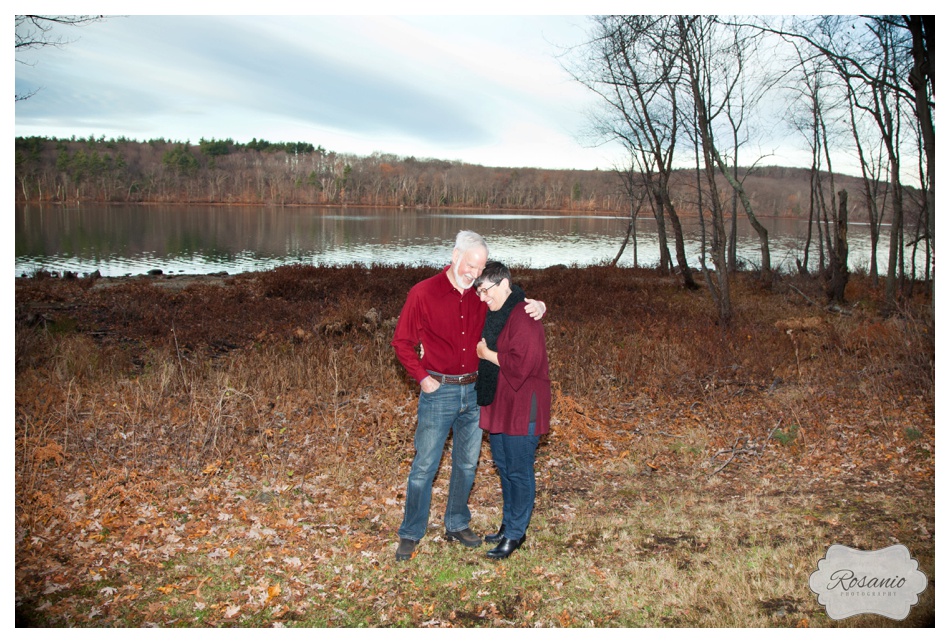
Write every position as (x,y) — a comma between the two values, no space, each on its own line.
(923,83)
(633,66)
(890,62)
(37,32)
(697,40)
(872,161)
(884,70)
(805,116)
(635,193)
(740,93)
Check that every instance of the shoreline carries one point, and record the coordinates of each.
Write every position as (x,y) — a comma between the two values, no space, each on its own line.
(399,208)
(172,281)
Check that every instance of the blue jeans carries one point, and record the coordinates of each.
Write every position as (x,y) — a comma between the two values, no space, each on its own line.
(514,458)
(452,407)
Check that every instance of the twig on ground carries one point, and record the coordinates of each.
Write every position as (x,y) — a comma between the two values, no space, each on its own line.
(733,452)
(806,297)
(746,448)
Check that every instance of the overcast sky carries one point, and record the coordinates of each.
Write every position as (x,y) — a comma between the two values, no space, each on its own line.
(481,89)
(485,89)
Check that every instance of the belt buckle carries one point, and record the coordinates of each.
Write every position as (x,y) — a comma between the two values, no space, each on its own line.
(454,379)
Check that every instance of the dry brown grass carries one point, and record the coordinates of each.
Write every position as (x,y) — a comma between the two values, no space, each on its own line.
(686,458)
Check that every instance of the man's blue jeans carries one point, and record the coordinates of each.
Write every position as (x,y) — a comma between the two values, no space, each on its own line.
(452,408)
(514,457)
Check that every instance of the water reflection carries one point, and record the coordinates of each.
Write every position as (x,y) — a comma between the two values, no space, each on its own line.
(119,240)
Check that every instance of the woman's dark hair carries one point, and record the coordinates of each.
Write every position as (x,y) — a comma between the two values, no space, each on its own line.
(494,272)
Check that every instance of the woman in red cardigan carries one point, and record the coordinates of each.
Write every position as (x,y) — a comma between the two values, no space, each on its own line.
(514,393)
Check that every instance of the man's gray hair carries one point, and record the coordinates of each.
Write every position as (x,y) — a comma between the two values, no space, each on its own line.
(466,240)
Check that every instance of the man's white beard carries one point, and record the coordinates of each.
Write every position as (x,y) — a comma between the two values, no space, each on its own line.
(459,279)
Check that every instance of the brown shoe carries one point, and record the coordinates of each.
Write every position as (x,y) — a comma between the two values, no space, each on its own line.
(467,537)
(406,548)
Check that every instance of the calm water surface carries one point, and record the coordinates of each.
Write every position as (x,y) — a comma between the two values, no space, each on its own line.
(121,240)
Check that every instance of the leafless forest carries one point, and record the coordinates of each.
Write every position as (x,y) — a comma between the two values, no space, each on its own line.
(122,170)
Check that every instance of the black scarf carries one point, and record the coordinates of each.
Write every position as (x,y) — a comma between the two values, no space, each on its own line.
(494,323)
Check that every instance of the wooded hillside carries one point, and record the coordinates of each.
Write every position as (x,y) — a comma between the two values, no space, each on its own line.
(261,172)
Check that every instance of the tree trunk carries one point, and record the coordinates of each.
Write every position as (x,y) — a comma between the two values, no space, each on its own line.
(631,230)
(766,270)
(665,262)
(680,245)
(839,260)
(897,224)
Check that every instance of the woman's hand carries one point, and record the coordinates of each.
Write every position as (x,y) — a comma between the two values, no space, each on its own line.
(486,353)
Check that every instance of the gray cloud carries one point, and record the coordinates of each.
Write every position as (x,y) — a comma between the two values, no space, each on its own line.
(191,56)
(481,90)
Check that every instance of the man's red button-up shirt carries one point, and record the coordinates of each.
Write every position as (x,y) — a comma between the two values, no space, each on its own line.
(447,324)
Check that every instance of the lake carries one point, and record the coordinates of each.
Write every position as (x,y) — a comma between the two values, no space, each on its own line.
(120,240)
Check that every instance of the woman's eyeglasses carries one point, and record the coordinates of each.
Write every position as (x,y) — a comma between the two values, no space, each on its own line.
(484,291)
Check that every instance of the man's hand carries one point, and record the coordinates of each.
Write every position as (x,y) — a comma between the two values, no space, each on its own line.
(535,308)
(430,384)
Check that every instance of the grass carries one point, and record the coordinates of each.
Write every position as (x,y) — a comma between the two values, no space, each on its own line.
(786,437)
(237,455)
(676,560)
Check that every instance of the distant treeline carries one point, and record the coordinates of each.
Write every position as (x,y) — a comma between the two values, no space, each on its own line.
(263,172)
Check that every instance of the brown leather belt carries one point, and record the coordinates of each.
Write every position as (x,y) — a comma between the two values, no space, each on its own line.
(468,378)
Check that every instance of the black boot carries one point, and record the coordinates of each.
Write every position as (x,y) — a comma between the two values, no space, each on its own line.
(494,538)
(505,547)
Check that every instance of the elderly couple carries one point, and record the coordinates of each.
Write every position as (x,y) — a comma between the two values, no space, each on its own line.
(483,365)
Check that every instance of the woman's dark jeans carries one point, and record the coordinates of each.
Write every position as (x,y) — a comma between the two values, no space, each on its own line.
(514,458)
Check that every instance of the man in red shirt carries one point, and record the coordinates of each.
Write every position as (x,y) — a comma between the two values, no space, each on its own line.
(445,316)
